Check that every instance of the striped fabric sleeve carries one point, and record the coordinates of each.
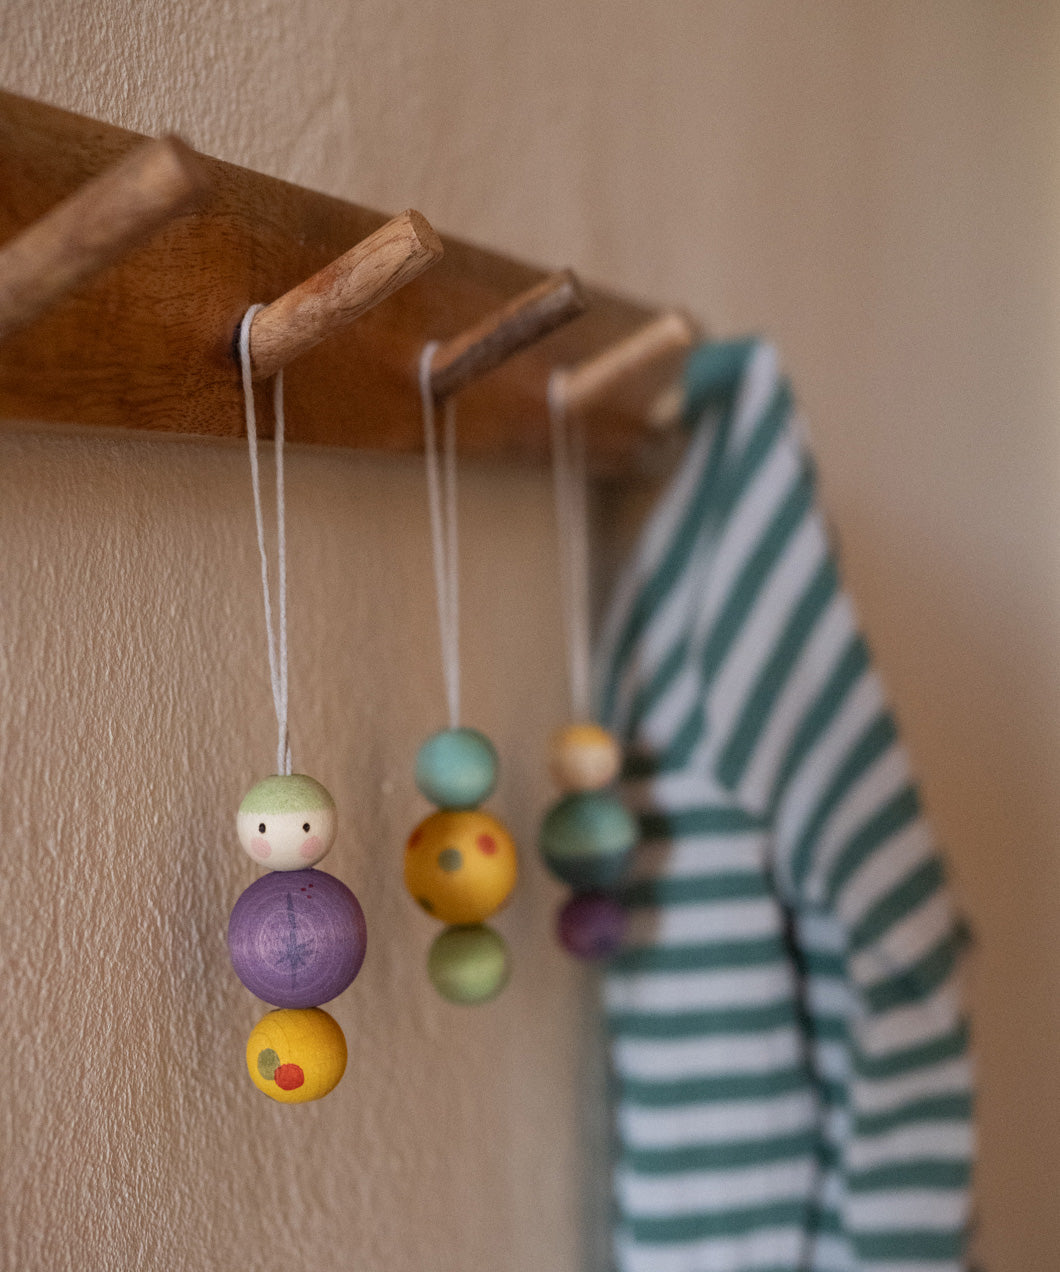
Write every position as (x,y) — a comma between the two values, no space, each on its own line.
(794,724)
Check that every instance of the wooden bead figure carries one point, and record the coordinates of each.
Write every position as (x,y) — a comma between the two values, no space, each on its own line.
(297,938)
(460,865)
(296,1056)
(587,836)
(468,965)
(287,823)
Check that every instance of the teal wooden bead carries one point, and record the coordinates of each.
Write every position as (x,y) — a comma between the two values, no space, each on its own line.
(586,839)
(457,768)
(468,965)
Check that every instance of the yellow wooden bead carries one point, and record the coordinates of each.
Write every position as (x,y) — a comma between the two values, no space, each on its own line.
(296,1054)
(584,757)
(460,866)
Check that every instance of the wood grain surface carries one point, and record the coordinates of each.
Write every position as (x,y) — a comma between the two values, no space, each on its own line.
(149,343)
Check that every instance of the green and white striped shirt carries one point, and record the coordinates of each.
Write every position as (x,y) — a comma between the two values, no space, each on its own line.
(792,1078)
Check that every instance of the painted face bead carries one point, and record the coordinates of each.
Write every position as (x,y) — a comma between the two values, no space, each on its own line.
(584,757)
(457,768)
(460,866)
(294,1056)
(286,823)
(468,965)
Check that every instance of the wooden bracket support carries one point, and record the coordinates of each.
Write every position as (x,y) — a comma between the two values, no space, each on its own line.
(147,344)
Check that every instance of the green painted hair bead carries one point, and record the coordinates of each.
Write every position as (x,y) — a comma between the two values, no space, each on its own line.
(457,768)
(293,794)
(586,839)
(468,965)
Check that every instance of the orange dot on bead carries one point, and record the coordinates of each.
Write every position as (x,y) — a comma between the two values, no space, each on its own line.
(288,1077)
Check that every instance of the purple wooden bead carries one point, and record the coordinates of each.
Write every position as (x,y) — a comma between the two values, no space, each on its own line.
(591,926)
(297,937)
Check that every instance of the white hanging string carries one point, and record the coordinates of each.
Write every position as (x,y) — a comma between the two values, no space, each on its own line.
(277,641)
(441,499)
(572,534)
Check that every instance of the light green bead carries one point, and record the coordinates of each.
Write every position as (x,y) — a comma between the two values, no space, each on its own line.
(586,839)
(468,965)
(294,794)
(457,768)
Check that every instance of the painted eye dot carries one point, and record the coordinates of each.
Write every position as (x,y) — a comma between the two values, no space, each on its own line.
(261,828)
(305,826)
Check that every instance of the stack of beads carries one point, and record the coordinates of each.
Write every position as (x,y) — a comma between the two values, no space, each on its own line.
(586,839)
(297,938)
(461,865)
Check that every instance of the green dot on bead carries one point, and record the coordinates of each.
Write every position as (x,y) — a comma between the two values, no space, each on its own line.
(268,1063)
(468,965)
(450,859)
(457,768)
(586,839)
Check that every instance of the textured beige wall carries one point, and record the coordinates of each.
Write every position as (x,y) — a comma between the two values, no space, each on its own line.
(877,186)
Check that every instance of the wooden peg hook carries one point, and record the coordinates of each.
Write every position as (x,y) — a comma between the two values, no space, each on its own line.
(379,265)
(670,333)
(522,321)
(97,225)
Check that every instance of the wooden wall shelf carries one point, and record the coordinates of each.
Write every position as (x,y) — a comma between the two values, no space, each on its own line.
(148,343)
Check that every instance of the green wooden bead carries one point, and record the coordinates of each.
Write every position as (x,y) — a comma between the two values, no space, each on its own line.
(468,965)
(457,768)
(586,839)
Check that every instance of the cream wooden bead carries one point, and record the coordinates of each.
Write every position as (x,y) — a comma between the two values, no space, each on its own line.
(584,757)
(286,823)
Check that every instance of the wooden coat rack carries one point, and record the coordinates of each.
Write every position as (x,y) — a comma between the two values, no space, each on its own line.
(148,342)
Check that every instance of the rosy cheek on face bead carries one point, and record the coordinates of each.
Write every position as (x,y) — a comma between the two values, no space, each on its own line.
(260,848)
(311,847)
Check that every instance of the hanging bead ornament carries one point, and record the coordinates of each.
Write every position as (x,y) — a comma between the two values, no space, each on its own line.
(460,862)
(587,836)
(296,936)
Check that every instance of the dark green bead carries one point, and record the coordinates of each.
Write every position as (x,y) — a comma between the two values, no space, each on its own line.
(586,839)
